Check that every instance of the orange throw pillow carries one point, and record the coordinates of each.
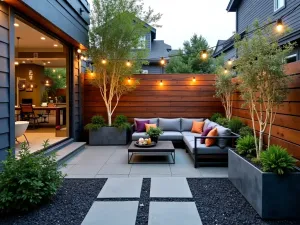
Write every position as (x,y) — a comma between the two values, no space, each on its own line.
(148,125)
(209,141)
(197,127)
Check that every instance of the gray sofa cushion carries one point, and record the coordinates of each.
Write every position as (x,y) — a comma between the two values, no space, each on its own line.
(222,131)
(171,136)
(188,133)
(187,124)
(152,120)
(208,123)
(137,135)
(169,124)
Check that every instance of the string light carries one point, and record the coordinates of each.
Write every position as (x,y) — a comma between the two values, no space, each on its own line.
(79,50)
(162,61)
(194,79)
(92,74)
(279,25)
(59,76)
(129,80)
(204,54)
(82,57)
(225,71)
(161,83)
(128,63)
(229,62)
(103,61)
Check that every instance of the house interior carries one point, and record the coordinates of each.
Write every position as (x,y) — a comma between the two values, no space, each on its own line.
(41,84)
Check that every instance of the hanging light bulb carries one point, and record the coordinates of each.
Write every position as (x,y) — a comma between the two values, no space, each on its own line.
(53,70)
(92,74)
(31,85)
(229,62)
(194,79)
(225,71)
(161,83)
(129,80)
(82,57)
(23,86)
(162,61)
(59,76)
(279,25)
(128,63)
(103,61)
(204,54)
(79,50)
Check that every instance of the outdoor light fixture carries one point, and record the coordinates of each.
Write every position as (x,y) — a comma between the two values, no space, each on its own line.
(161,83)
(79,50)
(162,61)
(82,57)
(103,61)
(279,25)
(225,71)
(229,62)
(194,79)
(55,45)
(43,38)
(204,54)
(128,63)
(16,63)
(16,25)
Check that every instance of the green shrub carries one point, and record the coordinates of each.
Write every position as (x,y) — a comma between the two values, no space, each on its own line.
(277,160)
(154,132)
(223,122)
(96,123)
(121,122)
(215,116)
(28,181)
(246,146)
(235,124)
(246,131)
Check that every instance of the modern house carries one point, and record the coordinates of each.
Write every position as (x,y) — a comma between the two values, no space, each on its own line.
(157,49)
(36,37)
(247,11)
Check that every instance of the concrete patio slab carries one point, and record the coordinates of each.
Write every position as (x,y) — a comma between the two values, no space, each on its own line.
(173,213)
(112,213)
(112,169)
(170,187)
(121,188)
(214,172)
(185,170)
(151,169)
(84,169)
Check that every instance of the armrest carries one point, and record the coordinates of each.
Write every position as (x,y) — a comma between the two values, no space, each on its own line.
(132,128)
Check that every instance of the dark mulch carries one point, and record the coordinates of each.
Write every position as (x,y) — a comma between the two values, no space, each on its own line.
(68,207)
(220,203)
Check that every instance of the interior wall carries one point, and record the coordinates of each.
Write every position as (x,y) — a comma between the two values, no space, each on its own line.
(285,130)
(179,96)
(22,71)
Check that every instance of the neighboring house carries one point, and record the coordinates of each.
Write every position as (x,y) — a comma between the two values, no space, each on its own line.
(247,11)
(157,49)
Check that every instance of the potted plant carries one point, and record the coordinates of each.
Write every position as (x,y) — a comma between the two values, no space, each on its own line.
(154,133)
(102,134)
(266,177)
(44,98)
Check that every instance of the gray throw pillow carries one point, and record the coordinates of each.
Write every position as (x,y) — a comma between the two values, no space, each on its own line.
(169,124)
(187,124)
(222,131)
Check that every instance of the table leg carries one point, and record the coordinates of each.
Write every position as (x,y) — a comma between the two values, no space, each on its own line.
(57,117)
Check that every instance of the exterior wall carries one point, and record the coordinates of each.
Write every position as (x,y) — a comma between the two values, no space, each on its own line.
(153,69)
(177,97)
(148,41)
(7,82)
(285,131)
(230,54)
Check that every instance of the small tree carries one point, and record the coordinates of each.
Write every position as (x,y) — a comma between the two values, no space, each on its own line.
(116,31)
(225,89)
(260,67)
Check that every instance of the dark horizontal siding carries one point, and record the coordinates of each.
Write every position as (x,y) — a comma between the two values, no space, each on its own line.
(153,69)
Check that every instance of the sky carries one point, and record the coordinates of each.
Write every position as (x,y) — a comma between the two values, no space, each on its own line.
(183,18)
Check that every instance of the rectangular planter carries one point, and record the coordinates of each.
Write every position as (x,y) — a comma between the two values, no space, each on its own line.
(272,196)
(108,136)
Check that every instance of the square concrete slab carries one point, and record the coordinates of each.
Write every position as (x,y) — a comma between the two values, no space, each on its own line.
(112,213)
(170,187)
(121,188)
(173,213)
(113,169)
(150,169)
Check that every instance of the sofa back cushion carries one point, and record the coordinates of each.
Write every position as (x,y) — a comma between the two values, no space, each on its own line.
(223,131)
(187,124)
(169,124)
(208,123)
(151,120)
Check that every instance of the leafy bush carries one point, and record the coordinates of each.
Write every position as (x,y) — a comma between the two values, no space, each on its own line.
(235,124)
(215,116)
(96,123)
(28,181)
(154,132)
(246,146)
(277,160)
(223,122)
(121,122)
(246,131)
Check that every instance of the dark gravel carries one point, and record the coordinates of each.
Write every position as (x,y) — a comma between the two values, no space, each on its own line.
(68,207)
(220,203)
(143,210)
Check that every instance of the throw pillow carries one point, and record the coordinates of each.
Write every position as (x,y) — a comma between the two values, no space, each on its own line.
(213,133)
(149,125)
(140,125)
(205,133)
(197,127)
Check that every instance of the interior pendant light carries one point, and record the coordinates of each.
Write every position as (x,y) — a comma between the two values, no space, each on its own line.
(48,82)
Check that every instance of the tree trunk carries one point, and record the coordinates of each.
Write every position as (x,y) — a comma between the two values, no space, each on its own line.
(260,144)
(109,118)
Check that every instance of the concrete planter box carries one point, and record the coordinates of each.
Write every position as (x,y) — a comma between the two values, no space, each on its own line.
(272,196)
(108,136)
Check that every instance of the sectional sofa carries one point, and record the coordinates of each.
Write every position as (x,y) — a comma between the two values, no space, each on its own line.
(178,130)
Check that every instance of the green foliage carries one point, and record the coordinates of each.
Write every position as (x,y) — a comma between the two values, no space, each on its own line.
(121,122)
(154,132)
(189,60)
(45,96)
(58,75)
(246,131)
(277,160)
(215,116)
(222,121)
(246,146)
(96,123)
(235,124)
(28,181)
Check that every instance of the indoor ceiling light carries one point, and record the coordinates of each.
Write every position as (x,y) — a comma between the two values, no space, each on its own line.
(27,59)
(16,63)
(55,45)
(44,64)
(16,24)
(48,62)
(23,62)
(43,38)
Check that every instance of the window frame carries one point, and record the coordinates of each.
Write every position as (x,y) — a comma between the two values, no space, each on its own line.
(291,56)
(276,8)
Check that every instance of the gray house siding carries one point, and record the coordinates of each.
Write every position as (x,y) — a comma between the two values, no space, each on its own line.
(148,41)
(153,69)
(230,54)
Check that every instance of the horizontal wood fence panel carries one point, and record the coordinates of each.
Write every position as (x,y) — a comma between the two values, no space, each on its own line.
(179,96)
(286,129)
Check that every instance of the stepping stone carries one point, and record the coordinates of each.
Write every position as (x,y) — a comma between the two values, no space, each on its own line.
(170,187)
(121,188)
(173,213)
(112,213)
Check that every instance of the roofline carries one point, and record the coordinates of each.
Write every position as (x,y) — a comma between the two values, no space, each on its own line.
(232,5)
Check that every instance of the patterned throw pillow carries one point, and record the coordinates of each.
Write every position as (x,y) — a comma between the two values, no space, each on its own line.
(197,127)
(211,141)
(205,133)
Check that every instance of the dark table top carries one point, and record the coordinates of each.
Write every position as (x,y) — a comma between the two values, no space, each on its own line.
(161,146)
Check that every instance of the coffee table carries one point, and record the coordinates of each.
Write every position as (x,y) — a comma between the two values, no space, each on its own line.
(161,148)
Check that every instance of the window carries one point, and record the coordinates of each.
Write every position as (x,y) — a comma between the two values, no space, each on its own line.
(278,4)
(145,71)
(142,43)
(291,58)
